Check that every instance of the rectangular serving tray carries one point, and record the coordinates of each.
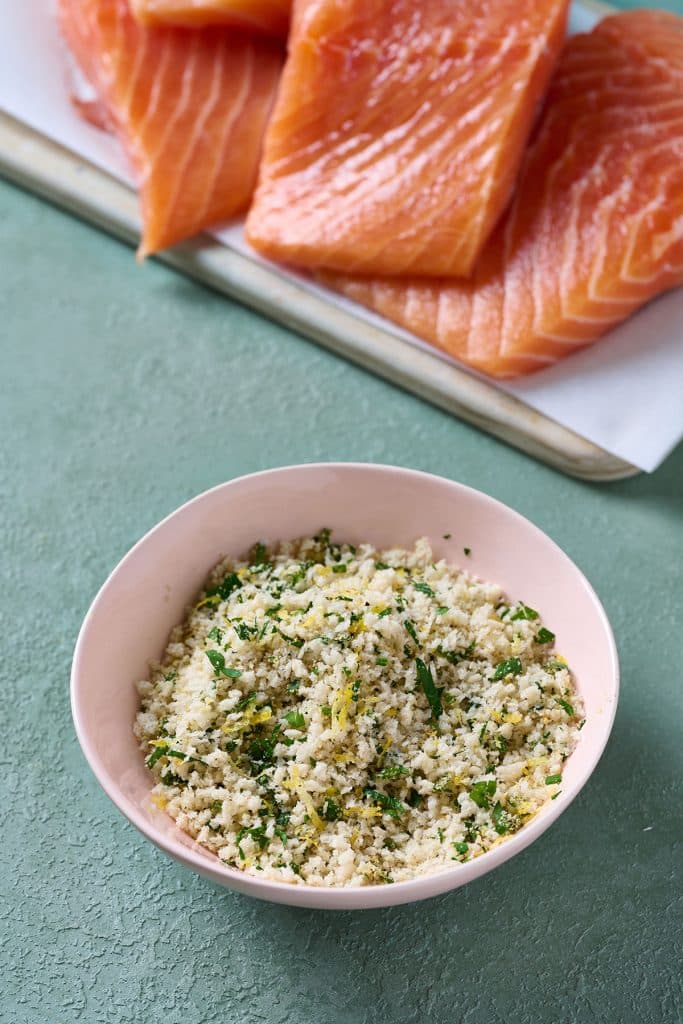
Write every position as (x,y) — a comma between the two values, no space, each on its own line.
(35,162)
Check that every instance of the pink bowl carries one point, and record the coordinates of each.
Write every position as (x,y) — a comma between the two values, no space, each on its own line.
(146,595)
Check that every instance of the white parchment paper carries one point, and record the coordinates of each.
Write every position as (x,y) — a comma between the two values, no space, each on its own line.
(625,393)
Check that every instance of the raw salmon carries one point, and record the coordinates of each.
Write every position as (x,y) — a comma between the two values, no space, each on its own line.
(190,107)
(271,16)
(399,129)
(596,226)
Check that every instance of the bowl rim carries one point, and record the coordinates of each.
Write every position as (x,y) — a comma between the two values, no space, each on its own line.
(338,897)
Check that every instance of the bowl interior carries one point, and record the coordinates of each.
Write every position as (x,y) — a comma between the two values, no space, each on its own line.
(148,592)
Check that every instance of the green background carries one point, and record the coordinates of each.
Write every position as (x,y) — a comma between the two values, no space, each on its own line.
(123,392)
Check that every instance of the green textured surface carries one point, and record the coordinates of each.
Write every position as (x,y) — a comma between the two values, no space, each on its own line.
(667,5)
(126,390)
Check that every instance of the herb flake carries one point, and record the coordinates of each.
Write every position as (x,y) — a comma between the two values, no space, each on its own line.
(481,793)
(511,667)
(431,691)
(218,662)
(524,612)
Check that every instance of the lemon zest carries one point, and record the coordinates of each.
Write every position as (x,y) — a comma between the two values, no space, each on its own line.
(525,809)
(365,812)
(340,708)
(250,716)
(345,758)
(261,716)
(532,763)
(295,784)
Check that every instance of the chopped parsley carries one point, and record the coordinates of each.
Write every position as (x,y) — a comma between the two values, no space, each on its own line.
(331,811)
(215,634)
(481,792)
(544,636)
(468,551)
(431,691)
(165,751)
(382,565)
(381,661)
(394,771)
(566,706)
(390,805)
(524,612)
(295,719)
(501,819)
(384,613)
(218,662)
(294,686)
(447,536)
(262,750)
(257,833)
(424,588)
(257,555)
(511,667)
(455,657)
(299,574)
(295,641)
(461,848)
(244,631)
(552,780)
(442,609)
(225,587)
(410,628)
(340,567)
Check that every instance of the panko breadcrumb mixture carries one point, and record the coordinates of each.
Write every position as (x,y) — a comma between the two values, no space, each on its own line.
(336,715)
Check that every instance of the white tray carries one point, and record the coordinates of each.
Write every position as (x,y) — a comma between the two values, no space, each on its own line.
(31,160)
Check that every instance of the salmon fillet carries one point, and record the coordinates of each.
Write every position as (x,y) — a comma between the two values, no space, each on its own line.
(399,130)
(271,16)
(596,226)
(190,107)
